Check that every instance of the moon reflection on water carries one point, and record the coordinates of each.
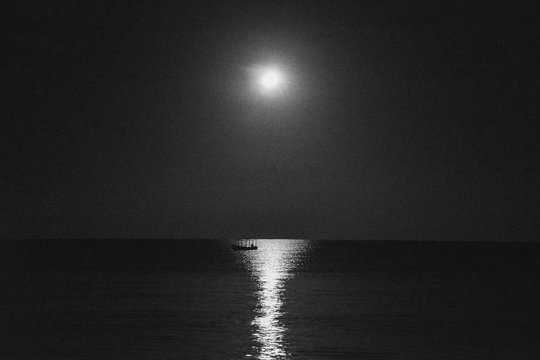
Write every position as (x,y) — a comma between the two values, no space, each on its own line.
(275,262)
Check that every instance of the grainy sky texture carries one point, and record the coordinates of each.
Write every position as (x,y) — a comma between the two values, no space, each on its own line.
(403,120)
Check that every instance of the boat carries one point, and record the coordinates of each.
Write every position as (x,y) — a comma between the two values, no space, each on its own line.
(244,244)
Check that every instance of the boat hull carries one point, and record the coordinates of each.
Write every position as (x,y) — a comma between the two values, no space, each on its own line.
(238,247)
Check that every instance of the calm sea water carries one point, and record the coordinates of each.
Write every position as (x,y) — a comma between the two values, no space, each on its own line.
(291,299)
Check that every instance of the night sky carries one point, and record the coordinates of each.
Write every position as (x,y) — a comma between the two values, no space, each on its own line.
(402,120)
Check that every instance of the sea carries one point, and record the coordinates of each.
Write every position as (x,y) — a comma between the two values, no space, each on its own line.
(289,299)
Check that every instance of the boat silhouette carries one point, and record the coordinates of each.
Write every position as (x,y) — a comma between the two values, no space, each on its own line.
(244,244)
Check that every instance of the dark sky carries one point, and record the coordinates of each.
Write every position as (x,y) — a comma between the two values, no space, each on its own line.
(404,120)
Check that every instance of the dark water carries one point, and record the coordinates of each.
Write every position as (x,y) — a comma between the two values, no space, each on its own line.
(290,299)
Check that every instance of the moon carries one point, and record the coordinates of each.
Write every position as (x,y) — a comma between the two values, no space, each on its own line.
(271,81)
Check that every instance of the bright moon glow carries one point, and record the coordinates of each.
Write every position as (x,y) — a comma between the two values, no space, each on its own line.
(271,79)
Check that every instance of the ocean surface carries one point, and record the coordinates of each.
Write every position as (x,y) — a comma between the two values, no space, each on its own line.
(290,299)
